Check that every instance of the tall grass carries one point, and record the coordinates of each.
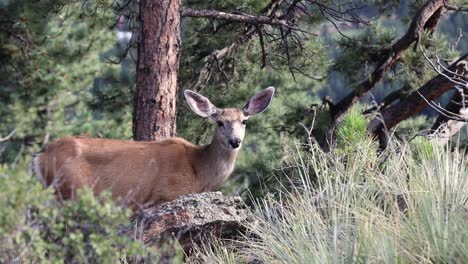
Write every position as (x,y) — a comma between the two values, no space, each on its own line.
(405,206)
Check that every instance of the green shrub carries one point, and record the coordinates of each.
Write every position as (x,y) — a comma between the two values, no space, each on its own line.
(34,228)
(353,129)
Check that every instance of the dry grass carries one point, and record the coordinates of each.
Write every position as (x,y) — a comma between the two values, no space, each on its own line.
(409,207)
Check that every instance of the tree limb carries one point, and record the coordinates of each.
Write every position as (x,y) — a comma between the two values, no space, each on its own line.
(453,119)
(388,100)
(448,129)
(417,100)
(417,26)
(235,17)
(11,134)
(457,8)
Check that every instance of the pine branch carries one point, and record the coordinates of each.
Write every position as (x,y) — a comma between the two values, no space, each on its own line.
(452,109)
(205,72)
(418,100)
(282,14)
(430,11)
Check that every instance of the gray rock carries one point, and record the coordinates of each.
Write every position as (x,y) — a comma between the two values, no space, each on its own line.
(191,219)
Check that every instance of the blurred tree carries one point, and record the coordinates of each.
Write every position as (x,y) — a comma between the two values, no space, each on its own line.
(55,78)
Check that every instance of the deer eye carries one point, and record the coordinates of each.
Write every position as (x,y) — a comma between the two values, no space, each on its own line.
(220,123)
(244,121)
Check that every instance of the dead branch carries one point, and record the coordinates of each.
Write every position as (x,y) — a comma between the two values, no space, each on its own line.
(455,77)
(212,61)
(447,130)
(340,14)
(457,41)
(452,110)
(455,114)
(444,112)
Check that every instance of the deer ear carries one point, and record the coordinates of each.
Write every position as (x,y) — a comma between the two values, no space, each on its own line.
(259,102)
(200,104)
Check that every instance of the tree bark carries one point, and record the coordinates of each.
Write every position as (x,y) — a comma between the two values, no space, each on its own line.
(417,100)
(191,220)
(457,8)
(154,116)
(389,99)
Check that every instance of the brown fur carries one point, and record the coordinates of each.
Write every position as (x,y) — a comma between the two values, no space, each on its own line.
(137,173)
(141,174)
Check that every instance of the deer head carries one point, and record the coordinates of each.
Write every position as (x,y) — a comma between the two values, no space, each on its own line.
(231,122)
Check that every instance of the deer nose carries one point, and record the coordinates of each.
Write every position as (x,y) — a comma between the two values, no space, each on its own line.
(234,143)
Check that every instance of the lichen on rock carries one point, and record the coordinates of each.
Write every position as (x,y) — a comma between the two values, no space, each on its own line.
(191,219)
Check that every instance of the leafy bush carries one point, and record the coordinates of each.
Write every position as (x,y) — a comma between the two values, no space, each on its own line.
(34,228)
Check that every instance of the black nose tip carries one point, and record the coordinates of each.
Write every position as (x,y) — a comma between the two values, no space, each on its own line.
(234,143)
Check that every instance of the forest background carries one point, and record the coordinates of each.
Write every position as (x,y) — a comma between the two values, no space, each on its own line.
(69,68)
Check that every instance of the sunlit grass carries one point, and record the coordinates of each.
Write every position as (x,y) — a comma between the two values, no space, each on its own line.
(405,206)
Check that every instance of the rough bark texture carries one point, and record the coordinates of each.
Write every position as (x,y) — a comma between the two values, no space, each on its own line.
(191,219)
(417,100)
(429,13)
(157,70)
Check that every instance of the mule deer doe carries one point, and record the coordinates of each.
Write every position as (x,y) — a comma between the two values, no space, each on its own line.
(149,173)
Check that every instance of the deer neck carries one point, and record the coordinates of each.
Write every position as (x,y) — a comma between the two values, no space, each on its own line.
(216,164)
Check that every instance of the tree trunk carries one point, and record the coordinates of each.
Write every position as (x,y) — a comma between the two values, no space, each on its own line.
(154,116)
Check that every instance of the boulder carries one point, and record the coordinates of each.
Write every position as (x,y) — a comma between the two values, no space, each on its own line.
(191,219)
